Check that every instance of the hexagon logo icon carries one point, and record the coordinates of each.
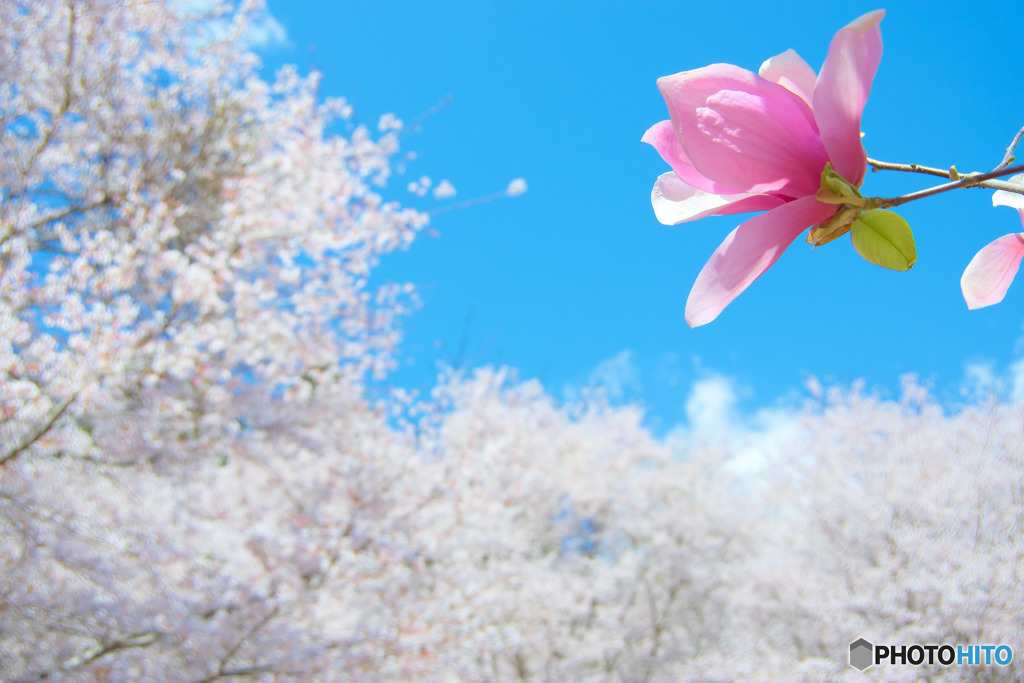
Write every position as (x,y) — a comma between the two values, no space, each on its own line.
(861,654)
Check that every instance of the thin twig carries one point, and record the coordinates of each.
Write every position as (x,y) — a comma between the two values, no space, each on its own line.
(909,168)
(1008,158)
(39,433)
(65,213)
(928,170)
(223,671)
(968,181)
(137,640)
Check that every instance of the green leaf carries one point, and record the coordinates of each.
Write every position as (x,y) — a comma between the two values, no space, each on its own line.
(885,239)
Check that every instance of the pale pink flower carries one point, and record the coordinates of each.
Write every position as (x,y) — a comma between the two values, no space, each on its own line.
(992,269)
(739,141)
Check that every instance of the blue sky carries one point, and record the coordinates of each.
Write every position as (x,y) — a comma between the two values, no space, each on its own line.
(577,283)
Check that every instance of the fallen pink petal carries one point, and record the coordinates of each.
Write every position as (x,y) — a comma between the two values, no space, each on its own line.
(738,141)
(992,269)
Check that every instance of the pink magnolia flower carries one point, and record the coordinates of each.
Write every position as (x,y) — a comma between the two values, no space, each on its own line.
(992,269)
(739,141)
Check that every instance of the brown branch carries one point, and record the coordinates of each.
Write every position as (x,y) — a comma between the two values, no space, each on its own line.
(990,184)
(39,433)
(55,119)
(88,657)
(224,672)
(968,181)
(64,213)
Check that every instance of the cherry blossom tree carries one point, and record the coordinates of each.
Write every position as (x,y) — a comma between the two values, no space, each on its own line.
(896,522)
(185,251)
(197,481)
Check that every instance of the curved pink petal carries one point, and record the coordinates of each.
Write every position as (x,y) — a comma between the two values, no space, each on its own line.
(791,72)
(745,132)
(676,202)
(842,91)
(747,253)
(992,269)
(662,136)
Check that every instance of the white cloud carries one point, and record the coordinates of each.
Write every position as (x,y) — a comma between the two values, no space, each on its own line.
(984,379)
(772,436)
(667,370)
(749,443)
(980,380)
(618,376)
(1017,381)
(710,407)
(262,31)
(265,32)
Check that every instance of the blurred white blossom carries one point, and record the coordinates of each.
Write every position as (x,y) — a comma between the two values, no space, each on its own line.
(516,187)
(444,190)
(389,122)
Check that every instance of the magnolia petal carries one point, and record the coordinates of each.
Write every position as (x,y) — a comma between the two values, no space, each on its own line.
(662,136)
(676,202)
(842,91)
(745,132)
(747,253)
(991,271)
(1004,198)
(791,72)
